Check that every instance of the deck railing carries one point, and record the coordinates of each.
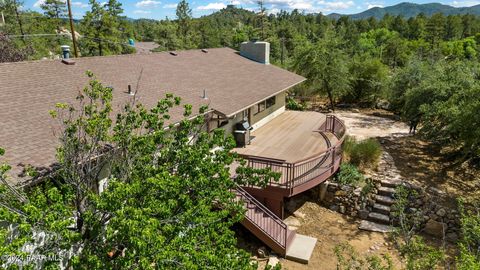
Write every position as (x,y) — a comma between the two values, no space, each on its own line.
(297,173)
(264,219)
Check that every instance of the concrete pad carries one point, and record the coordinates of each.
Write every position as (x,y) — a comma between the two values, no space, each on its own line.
(374,227)
(301,248)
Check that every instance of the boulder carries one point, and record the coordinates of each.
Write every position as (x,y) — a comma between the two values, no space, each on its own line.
(441,212)
(262,252)
(299,214)
(452,237)
(292,221)
(363,214)
(435,228)
(273,261)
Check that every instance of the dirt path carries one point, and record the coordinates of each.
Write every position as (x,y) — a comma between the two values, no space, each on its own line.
(370,124)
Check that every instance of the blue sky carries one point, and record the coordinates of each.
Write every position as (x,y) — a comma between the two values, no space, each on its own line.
(159,9)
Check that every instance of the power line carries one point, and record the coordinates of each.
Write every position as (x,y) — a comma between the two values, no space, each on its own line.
(36,35)
(83,37)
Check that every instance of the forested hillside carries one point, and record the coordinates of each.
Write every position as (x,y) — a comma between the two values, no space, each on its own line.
(409,10)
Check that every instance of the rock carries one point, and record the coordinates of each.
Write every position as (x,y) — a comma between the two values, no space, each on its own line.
(435,228)
(433,216)
(355,110)
(334,207)
(363,214)
(441,212)
(273,261)
(299,214)
(452,237)
(340,193)
(342,209)
(262,252)
(292,221)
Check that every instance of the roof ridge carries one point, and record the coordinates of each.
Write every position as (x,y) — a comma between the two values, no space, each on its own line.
(111,56)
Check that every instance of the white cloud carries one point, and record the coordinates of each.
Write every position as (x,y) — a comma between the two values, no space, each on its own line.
(138,11)
(80,4)
(464,3)
(39,3)
(170,6)
(336,5)
(147,3)
(212,6)
(374,5)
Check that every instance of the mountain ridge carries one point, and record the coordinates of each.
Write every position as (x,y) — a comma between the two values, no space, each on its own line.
(407,10)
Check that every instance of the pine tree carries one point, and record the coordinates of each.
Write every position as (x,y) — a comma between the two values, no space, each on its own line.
(184,16)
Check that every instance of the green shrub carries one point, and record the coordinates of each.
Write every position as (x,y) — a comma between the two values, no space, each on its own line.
(348,175)
(363,154)
(348,258)
(292,104)
(469,256)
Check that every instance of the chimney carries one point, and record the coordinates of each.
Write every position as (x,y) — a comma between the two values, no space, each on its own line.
(258,51)
(65,51)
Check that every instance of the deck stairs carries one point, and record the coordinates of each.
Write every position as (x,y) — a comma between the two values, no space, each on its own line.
(264,224)
(272,231)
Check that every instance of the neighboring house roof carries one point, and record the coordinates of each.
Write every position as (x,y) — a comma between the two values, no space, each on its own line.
(145,47)
(28,90)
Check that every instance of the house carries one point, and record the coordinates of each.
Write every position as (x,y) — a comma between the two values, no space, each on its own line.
(239,87)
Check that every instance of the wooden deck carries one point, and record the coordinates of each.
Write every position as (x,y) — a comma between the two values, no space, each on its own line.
(290,136)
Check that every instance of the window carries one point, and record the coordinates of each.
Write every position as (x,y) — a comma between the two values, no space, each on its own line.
(270,102)
(265,104)
(246,115)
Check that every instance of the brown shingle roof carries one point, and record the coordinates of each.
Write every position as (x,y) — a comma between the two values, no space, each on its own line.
(28,90)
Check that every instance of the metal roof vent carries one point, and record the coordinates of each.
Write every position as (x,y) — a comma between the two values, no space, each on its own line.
(174,53)
(204,96)
(65,51)
(66,55)
(205,50)
(129,91)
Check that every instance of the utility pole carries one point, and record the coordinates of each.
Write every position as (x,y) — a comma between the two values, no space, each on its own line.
(72,29)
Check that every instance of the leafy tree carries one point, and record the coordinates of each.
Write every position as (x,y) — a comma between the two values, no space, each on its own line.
(10,53)
(369,80)
(166,200)
(324,63)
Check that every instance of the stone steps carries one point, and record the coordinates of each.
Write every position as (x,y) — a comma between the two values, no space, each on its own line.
(385,200)
(386,191)
(381,208)
(391,183)
(379,218)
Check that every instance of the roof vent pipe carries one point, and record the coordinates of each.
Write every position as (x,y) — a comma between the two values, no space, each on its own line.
(65,51)
(205,94)
(129,91)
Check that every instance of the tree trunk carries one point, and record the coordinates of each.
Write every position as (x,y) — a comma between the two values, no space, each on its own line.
(19,20)
(330,97)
